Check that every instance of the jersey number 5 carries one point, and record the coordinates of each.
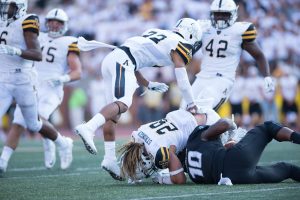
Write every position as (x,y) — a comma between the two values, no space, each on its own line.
(223,47)
(50,56)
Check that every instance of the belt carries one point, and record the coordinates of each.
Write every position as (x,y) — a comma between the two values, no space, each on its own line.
(127,51)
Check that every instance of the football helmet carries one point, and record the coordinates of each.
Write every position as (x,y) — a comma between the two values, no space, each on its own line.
(11,10)
(145,168)
(223,13)
(188,29)
(59,29)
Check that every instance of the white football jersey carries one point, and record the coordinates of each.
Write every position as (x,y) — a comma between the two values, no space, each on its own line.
(172,130)
(154,48)
(222,49)
(55,52)
(13,34)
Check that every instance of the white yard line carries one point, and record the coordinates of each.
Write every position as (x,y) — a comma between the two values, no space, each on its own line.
(219,193)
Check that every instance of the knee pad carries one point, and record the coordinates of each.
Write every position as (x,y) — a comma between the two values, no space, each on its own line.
(272,127)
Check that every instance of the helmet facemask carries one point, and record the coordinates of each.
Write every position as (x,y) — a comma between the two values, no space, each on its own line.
(222,20)
(56,28)
(11,10)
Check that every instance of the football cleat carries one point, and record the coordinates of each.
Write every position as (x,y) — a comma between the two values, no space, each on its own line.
(65,153)
(112,167)
(49,153)
(3,166)
(87,136)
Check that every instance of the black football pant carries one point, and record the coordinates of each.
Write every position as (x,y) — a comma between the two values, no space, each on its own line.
(240,162)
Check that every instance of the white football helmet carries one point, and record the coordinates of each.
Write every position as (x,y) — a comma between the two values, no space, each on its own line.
(145,168)
(189,29)
(61,16)
(223,13)
(7,14)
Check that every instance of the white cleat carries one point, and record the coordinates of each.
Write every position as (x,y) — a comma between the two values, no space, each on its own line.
(87,136)
(49,153)
(112,167)
(3,166)
(65,153)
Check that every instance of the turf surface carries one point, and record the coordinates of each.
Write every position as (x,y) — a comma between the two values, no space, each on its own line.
(26,178)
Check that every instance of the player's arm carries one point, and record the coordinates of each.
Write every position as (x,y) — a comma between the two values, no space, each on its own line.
(221,126)
(74,62)
(251,46)
(181,56)
(31,30)
(167,158)
(175,168)
(155,86)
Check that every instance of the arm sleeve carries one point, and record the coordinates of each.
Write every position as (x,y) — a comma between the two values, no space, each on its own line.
(32,24)
(73,48)
(185,52)
(250,34)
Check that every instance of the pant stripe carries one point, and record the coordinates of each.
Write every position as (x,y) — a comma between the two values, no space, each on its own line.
(120,81)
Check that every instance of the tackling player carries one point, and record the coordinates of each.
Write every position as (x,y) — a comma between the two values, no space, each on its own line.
(207,160)
(155,47)
(223,41)
(155,145)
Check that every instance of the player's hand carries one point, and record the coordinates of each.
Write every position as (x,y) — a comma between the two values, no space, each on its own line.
(269,84)
(162,177)
(55,82)
(9,50)
(158,87)
(192,108)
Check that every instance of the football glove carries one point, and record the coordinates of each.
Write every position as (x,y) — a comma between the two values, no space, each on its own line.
(158,87)
(55,82)
(192,108)
(9,50)
(269,84)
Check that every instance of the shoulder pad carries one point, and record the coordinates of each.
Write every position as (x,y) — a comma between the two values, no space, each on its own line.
(162,158)
(31,23)
(185,51)
(250,34)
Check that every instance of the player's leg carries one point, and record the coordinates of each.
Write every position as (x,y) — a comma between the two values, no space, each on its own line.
(49,100)
(118,73)
(276,173)
(5,101)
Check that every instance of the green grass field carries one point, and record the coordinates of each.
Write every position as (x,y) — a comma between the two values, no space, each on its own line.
(27,178)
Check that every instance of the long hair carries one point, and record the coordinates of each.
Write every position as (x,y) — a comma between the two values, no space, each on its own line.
(130,159)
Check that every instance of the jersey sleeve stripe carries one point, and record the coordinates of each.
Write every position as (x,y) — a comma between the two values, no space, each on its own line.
(249,32)
(30,26)
(249,37)
(29,21)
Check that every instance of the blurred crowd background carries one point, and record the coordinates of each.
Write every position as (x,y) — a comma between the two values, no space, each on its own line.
(112,21)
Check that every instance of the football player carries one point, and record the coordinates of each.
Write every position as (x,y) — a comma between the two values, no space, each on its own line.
(207,161)
(155,47)
(155,145)
(60,55)
(223,40)
(19,81)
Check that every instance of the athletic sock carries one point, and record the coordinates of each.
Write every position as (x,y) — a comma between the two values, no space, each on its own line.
(60,141)
(97,121)
(110,150)
(6,153)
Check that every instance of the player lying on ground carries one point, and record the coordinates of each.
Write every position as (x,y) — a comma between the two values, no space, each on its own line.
(207,160)
(156,144)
